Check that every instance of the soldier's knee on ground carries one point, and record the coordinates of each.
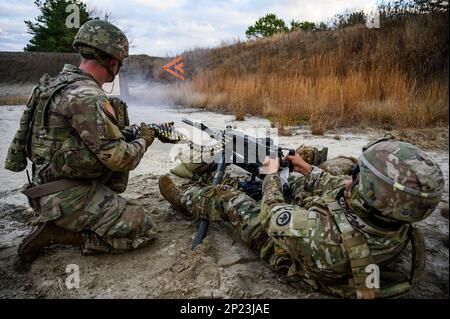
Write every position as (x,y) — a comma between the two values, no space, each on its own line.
(133,229)
(93,244)
(223,202)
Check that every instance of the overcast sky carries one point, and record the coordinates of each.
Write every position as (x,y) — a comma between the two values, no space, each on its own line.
(169,27)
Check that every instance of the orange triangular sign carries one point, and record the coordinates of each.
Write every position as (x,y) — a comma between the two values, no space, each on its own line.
(178,67)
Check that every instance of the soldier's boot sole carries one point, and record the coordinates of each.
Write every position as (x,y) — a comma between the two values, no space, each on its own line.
(172,194)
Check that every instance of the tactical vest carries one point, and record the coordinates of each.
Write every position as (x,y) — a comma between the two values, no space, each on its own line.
(48,140)
(365,273)
(118,181)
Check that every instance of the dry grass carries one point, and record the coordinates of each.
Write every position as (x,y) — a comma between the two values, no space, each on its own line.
(393,77)
(13,100)
(435,138)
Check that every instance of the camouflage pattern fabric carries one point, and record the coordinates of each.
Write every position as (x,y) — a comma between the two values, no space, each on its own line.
(76,136)
(312,155)
(16,159)
(119,180)
(103,36)
(300,240)
(109,222)
(400,181)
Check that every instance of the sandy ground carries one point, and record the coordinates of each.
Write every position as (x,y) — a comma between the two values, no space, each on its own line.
(220,268)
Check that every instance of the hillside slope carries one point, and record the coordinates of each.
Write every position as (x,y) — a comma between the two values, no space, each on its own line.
(395,76)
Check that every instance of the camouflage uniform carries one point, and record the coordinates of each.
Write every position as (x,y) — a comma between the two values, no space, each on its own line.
(71,131)
(76,136)
(96,149)
(320,241)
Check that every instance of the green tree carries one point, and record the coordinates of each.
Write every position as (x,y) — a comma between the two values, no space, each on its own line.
(323,27)
(266,27)
(50,33)
(303,26)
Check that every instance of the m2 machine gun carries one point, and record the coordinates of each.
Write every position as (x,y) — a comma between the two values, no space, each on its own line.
(245,151)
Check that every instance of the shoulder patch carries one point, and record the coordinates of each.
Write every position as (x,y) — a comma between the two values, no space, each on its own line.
(109,109)
(283,218)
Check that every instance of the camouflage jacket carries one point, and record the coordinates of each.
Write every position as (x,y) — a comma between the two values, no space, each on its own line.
(78,136)
(311,235)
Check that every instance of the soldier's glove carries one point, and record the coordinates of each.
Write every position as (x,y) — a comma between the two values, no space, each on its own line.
(147,134)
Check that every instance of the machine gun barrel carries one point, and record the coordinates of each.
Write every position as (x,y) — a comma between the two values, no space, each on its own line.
(213,133)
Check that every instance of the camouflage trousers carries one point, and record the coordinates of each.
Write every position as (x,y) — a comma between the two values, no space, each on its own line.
(288,253)
(109,223)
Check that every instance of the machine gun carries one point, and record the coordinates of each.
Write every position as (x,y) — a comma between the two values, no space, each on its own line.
(245,151)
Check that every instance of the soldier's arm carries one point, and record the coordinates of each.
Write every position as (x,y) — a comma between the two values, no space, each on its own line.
(319,180)
(129,133)
(272,196)
(313,179)
(92,117)
(298,232)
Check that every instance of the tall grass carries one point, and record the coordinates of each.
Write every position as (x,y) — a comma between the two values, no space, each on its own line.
(13,100)
(393,76)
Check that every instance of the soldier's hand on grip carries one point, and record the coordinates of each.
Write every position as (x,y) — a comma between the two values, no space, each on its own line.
(300,165)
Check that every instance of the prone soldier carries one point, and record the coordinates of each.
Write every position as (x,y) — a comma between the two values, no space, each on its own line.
(337,229)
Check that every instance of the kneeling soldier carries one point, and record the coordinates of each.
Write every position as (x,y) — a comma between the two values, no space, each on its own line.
(82,149)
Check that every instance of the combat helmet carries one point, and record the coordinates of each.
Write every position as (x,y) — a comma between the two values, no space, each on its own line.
(102,36)
(399,182)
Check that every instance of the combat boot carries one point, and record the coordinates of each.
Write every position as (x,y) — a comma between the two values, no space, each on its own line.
(172,194)
(47,234)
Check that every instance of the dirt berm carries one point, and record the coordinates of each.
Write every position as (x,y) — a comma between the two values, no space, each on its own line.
(20,71)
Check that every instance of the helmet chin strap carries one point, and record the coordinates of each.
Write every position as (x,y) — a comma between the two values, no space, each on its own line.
(110,72)
(105,65)
(112,89)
